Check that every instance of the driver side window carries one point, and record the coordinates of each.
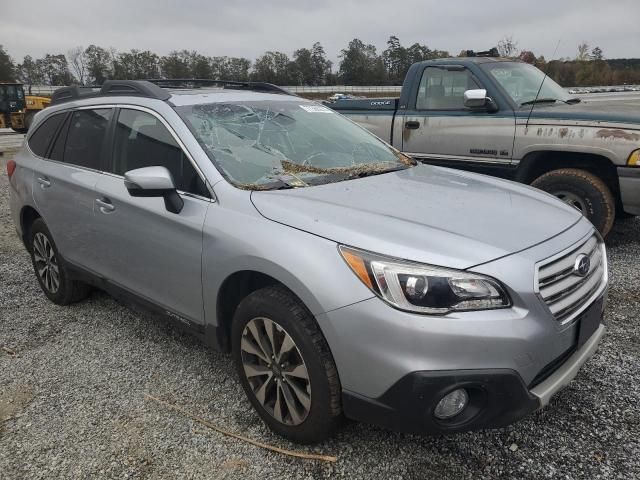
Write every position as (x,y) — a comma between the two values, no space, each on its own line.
(442,89)
(141,140)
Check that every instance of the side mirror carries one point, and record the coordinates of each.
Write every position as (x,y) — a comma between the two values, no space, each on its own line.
(477,99)
(154,182)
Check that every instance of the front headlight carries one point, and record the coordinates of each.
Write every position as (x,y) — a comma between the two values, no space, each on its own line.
(634,159)
(423,288)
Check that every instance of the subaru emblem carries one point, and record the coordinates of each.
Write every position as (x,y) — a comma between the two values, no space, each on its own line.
(582,265)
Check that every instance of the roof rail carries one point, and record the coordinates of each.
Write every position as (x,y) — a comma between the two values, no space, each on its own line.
(66,94)
(229,84)
(135,88)
(155,88)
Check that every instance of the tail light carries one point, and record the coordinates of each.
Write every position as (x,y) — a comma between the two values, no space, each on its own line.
(11,167)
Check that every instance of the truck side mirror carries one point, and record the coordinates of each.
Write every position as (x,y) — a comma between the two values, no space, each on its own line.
(477,99)
(154,182)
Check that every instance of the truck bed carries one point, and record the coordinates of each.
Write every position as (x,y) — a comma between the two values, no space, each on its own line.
(374,114)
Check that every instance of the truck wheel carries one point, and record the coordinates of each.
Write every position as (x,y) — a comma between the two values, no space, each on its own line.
(584,191)
(50,270)
(285,366)
(28,119)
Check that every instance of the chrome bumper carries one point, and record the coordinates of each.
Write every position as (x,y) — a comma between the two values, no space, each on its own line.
(629,178)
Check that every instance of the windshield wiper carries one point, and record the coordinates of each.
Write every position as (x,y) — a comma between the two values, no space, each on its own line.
(369,173)
(540,100)
(570,101)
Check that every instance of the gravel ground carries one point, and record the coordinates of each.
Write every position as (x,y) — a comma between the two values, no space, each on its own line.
(73,379)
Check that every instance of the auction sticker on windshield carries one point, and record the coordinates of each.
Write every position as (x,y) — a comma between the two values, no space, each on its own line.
(316,109)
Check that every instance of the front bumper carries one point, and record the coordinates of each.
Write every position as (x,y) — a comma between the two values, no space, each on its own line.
(497,397)
(629,178)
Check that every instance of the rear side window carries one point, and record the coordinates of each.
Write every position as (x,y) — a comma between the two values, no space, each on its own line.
(141,140)
(40,139)
(85,137)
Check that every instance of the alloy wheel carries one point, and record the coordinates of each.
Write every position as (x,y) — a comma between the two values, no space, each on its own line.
(276,371)
(46,263)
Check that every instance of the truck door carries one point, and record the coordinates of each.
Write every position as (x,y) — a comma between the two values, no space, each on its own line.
(438,128)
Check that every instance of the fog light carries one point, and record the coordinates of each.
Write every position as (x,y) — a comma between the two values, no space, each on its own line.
(452,404)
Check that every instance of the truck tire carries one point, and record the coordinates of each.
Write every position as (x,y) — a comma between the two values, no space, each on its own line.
(28,119)
(584,191)
(285,366)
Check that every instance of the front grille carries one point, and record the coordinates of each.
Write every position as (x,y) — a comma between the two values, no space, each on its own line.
(562,289)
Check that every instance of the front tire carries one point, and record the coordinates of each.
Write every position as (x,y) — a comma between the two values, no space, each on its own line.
(582,190)
(51,271)
(285,366)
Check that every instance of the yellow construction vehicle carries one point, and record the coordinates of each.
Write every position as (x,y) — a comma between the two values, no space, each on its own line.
(16,109)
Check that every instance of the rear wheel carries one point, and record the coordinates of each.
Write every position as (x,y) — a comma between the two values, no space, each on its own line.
(285,366)
(583,191)
(50,270)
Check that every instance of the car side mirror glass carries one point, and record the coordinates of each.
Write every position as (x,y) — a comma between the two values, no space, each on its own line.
(477,99)
(154,182)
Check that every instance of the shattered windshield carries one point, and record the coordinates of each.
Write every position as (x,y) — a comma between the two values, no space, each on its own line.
(286,144)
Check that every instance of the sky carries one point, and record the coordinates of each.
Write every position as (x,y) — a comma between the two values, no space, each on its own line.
(248,28)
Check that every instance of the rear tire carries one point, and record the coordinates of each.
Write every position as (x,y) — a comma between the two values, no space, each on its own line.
(50,269)
(584,191)
(288,374)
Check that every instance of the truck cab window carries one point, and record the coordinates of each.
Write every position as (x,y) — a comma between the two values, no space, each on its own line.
(442,89)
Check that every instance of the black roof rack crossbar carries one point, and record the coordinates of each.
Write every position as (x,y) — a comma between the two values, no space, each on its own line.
(493,53)
(135,88)
(229,84)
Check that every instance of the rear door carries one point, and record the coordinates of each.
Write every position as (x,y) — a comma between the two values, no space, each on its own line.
(66,173)
(437,126)
(144,248)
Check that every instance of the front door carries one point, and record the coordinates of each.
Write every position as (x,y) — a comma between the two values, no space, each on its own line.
(144,248)
(439,127)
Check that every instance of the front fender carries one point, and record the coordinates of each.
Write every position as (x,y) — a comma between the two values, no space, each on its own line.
(308,265)
(615,144)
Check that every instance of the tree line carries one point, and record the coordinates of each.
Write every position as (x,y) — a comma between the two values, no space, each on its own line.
(359,64)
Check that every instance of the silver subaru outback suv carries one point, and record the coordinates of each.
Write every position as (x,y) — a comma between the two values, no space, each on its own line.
(345,279)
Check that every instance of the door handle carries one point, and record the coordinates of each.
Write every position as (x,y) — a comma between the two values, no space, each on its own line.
(44,182)
(412,125)
(105,205)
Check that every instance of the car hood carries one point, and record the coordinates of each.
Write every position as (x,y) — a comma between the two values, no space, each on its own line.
(427,214)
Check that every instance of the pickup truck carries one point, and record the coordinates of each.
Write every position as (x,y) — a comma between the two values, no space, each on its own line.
(505,118)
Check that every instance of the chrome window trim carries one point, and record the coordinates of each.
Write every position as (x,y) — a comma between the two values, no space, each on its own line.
(587,303)
(155,114)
